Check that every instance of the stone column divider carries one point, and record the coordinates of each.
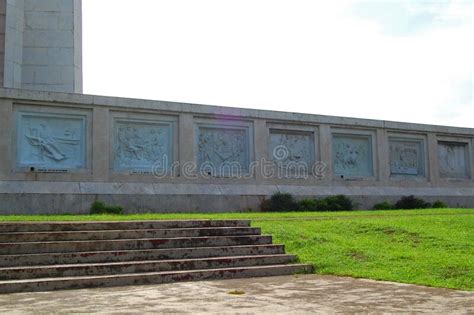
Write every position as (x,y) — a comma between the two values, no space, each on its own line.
(186,142)
(325,144)
(6,130)
(383,156)
(433,163)
(100,144)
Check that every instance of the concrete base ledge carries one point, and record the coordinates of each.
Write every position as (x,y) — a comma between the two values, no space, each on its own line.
(88,188)
(63,283)
(19,197)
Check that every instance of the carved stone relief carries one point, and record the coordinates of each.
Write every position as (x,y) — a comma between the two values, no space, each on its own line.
(142,145)
(453,160)
(50,141)
(352,155)
(289,149)
(406,157)
(223,149)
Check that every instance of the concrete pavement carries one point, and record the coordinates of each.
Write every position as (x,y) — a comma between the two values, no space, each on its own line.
(286,294)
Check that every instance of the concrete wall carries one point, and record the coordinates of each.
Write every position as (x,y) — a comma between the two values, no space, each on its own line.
(13,43)
(60,152)
(3,5)
(43,45)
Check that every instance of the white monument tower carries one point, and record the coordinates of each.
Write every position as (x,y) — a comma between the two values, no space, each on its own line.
(41,45)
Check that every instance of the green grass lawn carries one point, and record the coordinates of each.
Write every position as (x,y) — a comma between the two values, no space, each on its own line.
(428,247)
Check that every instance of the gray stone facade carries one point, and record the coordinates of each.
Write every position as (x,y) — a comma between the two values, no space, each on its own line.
(59,152)
(41,45)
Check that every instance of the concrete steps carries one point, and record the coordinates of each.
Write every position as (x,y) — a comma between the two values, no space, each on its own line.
(132,255)
(125,234)
(54,256)
(118,225)
(31,272)
(125,244)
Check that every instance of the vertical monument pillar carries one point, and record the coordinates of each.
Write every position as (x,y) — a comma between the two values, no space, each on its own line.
(41,45)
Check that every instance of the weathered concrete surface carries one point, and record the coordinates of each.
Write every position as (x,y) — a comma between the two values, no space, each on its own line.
(98,167)
(284,295)
(198,254)
(118,225)
(124,234)
(138,255)
(41,45)
(124,244)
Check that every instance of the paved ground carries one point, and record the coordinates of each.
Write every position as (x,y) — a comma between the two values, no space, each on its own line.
(289,294)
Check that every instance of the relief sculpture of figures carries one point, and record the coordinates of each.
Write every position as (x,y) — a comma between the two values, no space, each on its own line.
(288,149)
(219,146)
(138,145)
(48,145)
(406,158)
(51,142)
(352,156)
(453,161)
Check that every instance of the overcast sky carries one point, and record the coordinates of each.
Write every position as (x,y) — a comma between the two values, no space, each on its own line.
(395,60)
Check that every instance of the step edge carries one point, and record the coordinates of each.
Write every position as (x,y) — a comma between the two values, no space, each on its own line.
(144,262)
(145,274)
(137,239)
(140,250)
(130,230)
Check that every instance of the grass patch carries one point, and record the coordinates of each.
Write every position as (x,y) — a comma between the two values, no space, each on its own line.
(261,216)
(433,250)
(433,247)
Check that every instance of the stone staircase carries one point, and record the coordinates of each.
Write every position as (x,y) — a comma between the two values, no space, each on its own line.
(57,256)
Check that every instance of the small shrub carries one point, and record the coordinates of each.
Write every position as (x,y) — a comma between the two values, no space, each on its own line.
(385,205)
(309,205)
(438,204)
(99,207)
(286,202)
(322,205)
(280,202)
(114,210)
(411,202)
(338,203)
(332,203)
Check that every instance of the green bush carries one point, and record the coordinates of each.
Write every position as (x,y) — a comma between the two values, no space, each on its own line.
(280,202)
(411,202)
(286,202)
(309,205)
(385,205)
(337,203)
(438,204)
(332,203)
(99,207)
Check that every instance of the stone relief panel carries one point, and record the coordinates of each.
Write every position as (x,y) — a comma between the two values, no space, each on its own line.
(142,145)
(51,142)
(352,155)
(223,150)
(407,157)
(289,149)
(453,160)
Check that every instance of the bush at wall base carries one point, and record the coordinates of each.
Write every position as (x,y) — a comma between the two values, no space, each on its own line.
(286,202)
(99,207)
(438,204)
(331,203)
(279,202)
(409,202)
(412,202)
(385,205)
